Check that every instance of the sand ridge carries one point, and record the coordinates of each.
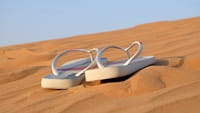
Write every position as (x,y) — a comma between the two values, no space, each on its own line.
(169,86)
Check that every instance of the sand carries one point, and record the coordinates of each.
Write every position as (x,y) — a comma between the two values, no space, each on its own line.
(171,85)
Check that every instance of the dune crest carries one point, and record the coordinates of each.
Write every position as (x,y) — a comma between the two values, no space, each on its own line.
(171,85)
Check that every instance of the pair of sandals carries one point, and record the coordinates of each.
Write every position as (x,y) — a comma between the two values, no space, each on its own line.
(90,69)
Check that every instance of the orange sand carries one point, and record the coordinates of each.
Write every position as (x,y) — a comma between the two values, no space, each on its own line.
(172,85)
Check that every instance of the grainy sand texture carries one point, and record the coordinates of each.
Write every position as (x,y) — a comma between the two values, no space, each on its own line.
(171,85)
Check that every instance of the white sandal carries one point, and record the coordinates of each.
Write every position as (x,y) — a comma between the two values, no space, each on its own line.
(119,68)
(69,74)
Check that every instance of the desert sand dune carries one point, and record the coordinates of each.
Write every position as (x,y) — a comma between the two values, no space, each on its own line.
(171,85)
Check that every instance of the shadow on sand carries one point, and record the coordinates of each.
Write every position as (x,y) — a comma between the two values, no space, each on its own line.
(159,62)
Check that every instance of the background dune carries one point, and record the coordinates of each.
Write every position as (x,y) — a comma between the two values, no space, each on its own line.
(170,86)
